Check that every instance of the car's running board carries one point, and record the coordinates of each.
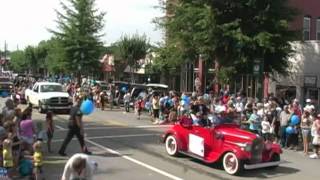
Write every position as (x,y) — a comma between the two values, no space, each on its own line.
(261,165)
(194,156)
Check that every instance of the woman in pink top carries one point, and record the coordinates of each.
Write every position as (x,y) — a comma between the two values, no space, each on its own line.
(27,130)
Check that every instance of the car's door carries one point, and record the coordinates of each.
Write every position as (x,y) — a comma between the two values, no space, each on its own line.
(200,141)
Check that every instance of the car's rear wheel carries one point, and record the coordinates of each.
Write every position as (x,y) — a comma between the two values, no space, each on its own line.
(172,145)
(231,164)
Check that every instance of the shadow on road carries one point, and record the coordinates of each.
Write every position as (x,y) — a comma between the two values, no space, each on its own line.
(266,173)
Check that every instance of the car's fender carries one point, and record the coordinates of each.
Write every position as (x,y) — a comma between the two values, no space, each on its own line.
(241,154)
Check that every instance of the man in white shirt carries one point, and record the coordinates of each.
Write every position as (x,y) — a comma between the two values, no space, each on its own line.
(126,100)
(309,105)
(239,105)
(79,166)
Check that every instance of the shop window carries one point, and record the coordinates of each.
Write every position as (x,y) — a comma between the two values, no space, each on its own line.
(313,94)
(306,28)
(318,29)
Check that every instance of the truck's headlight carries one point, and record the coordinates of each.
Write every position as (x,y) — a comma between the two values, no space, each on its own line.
(45,101)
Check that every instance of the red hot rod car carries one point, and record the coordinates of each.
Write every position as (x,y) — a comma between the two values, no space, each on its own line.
(237,149)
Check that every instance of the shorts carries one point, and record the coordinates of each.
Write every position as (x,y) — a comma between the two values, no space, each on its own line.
(37,169)
(305,132)
(28,140)
(156,113)
(266,136)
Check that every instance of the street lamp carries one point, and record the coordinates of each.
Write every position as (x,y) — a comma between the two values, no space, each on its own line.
(258,70)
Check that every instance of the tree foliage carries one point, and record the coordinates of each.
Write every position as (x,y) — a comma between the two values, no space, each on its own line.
(132,49)
(18,62)
(234,33)
(79,29)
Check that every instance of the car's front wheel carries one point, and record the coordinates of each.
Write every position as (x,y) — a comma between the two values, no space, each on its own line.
(172,145)
(231,164)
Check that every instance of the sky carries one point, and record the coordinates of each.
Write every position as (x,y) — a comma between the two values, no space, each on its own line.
(25,22)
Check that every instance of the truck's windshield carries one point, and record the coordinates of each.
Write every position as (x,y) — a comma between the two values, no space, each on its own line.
(51,88)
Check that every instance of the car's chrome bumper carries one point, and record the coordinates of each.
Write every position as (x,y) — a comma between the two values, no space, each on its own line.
(261,165)
(48,107)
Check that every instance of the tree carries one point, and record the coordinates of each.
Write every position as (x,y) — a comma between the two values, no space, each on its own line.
(17,61)
(79,31)
(31,59)
(132,50)
(55,60)
(233,33)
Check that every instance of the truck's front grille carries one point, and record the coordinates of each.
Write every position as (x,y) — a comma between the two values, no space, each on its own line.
(59,101)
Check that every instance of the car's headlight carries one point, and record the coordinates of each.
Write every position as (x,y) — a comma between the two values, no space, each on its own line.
(244,146)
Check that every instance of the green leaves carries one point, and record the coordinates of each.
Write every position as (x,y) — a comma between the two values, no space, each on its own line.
(79,29)
(132,49)
(234,33)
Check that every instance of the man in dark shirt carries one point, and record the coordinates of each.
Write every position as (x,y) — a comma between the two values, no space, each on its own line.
(75,128)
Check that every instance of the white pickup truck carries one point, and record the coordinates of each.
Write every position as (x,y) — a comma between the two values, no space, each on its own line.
(48,96)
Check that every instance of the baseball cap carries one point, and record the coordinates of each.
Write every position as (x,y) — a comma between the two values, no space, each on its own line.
(308,100)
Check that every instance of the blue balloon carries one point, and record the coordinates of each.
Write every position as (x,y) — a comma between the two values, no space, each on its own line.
(183,102)
(187,99)
(87,107)
(124,89)
(295,120)
(290,130)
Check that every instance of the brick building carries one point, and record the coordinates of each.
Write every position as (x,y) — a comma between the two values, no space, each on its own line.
(303,79)
(308,19)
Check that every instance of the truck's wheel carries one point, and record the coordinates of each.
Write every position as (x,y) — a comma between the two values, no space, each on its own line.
(172,145)
(231,164)
(40,109)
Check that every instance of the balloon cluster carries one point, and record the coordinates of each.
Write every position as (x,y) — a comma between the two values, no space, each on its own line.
(87,107)
(185,100)
(295,120)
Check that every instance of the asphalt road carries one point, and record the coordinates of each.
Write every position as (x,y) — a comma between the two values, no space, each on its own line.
(127,148)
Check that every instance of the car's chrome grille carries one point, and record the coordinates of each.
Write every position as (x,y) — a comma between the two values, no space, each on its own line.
(256,150)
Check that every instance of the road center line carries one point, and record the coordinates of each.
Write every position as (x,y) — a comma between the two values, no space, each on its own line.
(136,161)
(97,128)
(115,136)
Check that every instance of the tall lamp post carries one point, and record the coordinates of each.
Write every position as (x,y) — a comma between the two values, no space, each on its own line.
(258,71)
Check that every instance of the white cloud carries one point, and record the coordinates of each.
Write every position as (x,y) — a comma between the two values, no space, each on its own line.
(25,22)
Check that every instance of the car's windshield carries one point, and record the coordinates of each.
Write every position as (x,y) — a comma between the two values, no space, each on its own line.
(51,88)
(219,119)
